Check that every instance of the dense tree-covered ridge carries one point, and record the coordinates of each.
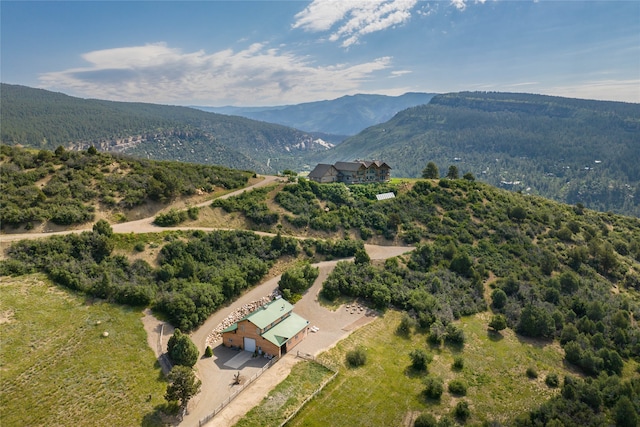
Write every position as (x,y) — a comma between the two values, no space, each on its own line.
(574,151)
(42,119)
(66,187)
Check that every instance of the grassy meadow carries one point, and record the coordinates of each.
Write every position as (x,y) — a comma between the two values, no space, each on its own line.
(305,378)
(59,369)
(385,391)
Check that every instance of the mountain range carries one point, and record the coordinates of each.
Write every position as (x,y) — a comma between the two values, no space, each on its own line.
(570,150)
(347,115)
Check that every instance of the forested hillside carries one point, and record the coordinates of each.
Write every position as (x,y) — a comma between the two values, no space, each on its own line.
(573,151)
(553,272)
(42,119)
(68,187)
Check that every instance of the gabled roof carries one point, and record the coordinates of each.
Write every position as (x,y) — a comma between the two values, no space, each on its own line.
(268,313)
(285,330)
(349,166)
(320,170)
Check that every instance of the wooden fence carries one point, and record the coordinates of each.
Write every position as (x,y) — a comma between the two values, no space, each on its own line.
(236,393)
(318,390)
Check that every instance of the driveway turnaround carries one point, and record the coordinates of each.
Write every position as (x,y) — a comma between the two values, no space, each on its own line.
(332,326)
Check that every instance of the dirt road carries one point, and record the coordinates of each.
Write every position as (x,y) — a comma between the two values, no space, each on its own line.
(333,326)
(144,225)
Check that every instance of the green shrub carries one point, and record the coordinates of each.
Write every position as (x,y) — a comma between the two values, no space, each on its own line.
(552,380)
(193,212)
(208,352)
(498,322)
(407,323)
(425,420)
(462,412)
(171,218)
(419,359)
(454,334)
(458,363)
(433,388)
(182,350)
(139,247)
(532,373)
(457,387)
(357,357)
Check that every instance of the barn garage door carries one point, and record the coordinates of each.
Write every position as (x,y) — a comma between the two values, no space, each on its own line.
(249,344)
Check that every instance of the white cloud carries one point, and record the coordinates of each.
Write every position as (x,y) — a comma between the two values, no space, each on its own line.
(606,90)
(462,4)
(355,18)
(459,4)
(257,75)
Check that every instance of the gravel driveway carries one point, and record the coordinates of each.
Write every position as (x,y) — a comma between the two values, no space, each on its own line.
(333,326)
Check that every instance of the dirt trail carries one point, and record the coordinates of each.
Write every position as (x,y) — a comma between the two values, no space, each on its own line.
(144,225)
(334,325)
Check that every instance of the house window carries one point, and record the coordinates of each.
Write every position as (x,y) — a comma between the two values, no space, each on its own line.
(241,328)
(230,339)
(258,331)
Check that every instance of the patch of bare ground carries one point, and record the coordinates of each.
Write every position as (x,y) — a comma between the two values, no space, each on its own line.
(150,255)
(487,286)
(6,316)
(410,418)
(218,218)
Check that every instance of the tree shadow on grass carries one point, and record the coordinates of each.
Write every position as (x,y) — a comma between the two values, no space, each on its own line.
(412,372)
(454,347)
(164,414)
(536,342)
(494,335)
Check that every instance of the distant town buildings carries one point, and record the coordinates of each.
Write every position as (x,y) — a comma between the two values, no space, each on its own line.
(358,172)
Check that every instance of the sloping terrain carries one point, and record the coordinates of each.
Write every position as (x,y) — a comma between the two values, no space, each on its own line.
(42,119)
(569,150)
(68,188)
(559,276)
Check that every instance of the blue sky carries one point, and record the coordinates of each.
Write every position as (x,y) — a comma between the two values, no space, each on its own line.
(254,53)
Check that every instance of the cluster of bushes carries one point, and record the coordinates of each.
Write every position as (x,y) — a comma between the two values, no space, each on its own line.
(174,216)
(430,296)
(606,400)
(76,181)
(198,272)
(251,204)
(296,280)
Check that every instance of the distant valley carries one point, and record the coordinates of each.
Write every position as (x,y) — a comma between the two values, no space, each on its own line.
(338,118)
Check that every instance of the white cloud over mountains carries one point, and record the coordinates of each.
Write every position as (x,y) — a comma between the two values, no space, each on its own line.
(353,18)
(257,75)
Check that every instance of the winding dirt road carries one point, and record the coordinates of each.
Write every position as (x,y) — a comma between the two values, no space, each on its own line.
(144,225)
(333,325)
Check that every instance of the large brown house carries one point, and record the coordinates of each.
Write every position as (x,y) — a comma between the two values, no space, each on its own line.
(359,172)
(273,329)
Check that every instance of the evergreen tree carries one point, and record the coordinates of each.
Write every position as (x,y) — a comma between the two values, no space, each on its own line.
(183,385)
(431,171)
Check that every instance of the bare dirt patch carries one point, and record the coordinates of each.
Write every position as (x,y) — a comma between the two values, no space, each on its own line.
(7,316)
(410,418)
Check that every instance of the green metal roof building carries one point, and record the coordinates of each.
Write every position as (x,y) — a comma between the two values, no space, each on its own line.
(273,329)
